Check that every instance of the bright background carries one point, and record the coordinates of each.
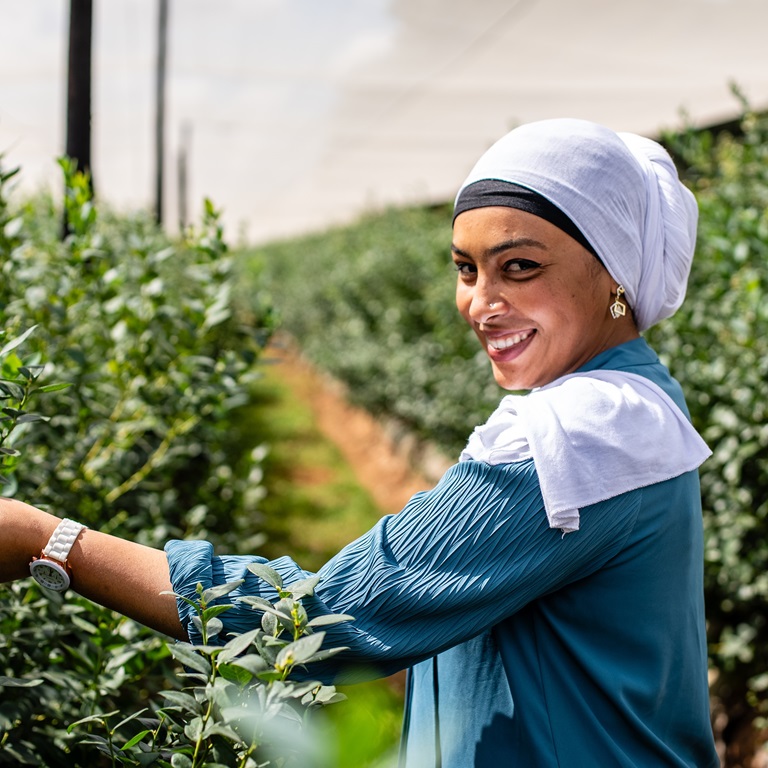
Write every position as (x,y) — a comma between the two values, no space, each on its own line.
(303,113)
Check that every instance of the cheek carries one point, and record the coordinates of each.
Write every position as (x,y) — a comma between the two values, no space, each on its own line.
(575,305)
(463,300)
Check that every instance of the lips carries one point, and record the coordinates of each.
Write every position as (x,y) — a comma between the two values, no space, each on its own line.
(507,342)
(506,348)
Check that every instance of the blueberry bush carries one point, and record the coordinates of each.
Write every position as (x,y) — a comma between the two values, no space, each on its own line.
(124,361)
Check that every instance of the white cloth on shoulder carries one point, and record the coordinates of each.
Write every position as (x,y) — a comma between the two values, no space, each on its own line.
(592,436)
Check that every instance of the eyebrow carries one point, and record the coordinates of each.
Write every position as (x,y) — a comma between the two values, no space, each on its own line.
(506,245)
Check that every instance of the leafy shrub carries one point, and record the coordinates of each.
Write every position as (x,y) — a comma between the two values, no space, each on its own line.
(241,707)
(58,658)
(158,360)
(144,331)
(717,345)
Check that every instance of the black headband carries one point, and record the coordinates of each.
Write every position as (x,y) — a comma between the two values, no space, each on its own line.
(491,192)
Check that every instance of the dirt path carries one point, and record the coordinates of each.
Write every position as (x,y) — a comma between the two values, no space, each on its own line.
(381,465)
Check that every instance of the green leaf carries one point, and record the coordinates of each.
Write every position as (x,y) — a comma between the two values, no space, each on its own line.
(183,653)
(214,611)
(236,673)
(328,619)
(102,718)
(135,740)
(183,700)
(12,390)
(220,729)
(270,676)
(213,627)
(180,760)
(150,758)
(11,345)
(237,645)
(303,588)
(86,626)
(6,175)
(130,717)
(251,662)
(301,650)
(269,623)
(28,418)
(264,572)
(15,682)
(186,600)
(54,387)
(31,372)
(283,615)
(213,593)
(326,654)
(327,694)
(256,602)
(193,730)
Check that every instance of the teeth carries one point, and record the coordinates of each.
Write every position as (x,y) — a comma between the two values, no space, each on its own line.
(509,341)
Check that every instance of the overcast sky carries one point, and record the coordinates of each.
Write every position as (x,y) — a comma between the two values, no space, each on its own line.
(302,113)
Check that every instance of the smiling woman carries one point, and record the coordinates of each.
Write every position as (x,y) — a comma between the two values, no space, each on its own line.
(535,297)
(546,596)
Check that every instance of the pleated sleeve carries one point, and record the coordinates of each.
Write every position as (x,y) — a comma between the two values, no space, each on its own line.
(455,561)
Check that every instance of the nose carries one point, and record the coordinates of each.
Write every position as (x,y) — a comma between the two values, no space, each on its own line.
(486,302)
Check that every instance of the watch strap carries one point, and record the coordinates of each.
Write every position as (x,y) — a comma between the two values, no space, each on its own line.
(62,539)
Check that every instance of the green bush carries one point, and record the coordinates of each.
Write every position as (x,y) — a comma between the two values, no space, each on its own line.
(240,706)
(717,345)
(145,332)
(377,312)
(124,363)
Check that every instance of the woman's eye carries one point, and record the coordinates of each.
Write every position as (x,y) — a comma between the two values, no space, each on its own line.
(520,265)
(464,268)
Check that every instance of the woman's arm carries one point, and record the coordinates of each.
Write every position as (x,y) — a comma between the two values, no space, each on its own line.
(115,573)
(455,561)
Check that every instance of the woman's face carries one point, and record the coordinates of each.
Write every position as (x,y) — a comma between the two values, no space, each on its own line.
(537,300)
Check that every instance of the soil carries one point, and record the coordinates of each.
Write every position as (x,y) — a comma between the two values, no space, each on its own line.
(390,469)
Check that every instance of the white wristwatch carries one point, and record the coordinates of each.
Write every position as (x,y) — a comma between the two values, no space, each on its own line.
(51,569)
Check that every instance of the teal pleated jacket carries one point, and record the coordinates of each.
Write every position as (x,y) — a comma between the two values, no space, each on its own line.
(527,648)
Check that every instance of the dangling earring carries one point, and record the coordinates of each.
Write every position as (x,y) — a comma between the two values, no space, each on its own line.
(618,308)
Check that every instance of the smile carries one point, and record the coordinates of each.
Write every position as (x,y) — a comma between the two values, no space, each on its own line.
(509,341)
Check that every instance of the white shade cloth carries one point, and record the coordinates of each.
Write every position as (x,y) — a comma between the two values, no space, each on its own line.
(592,436)
(623,193)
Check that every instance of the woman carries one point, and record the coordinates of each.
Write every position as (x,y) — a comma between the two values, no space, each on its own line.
(547,593)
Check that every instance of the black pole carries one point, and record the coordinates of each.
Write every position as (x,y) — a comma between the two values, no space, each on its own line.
(78,139)
(162,45)
(79,83)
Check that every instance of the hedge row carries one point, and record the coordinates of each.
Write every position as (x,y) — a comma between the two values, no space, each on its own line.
(123,366)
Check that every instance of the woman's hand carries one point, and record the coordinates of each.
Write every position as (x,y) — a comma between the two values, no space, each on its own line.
(118,574)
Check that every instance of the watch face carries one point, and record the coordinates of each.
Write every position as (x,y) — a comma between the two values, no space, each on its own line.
(50,575)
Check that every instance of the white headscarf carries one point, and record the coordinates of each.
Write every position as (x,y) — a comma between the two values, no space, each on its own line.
(623,193)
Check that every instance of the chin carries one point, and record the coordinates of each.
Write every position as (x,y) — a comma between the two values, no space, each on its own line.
(519,382)
(511,384)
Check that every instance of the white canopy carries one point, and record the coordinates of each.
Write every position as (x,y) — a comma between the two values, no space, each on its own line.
(297,114)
